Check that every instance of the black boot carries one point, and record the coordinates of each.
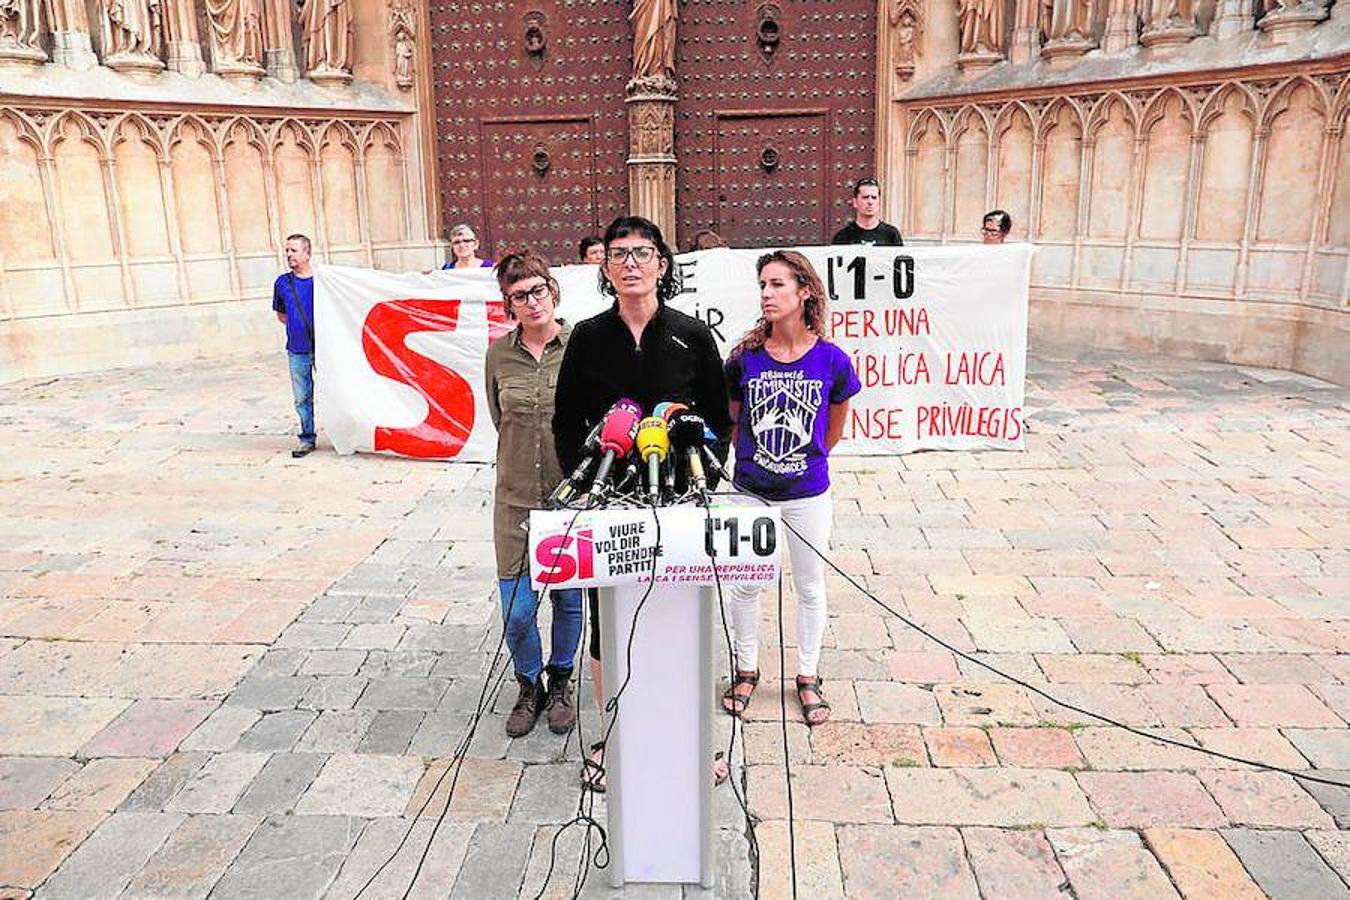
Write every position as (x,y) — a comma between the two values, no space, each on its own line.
(562,714)
(520,721)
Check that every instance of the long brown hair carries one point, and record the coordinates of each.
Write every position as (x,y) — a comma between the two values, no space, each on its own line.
(815,309)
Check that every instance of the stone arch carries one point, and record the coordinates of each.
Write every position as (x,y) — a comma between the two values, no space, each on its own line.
(1157,107)
(78,149)
(1227,121)
(1295,118)
(1112,125)
(293,164)
(25,228)
(970,141)
(1103,109)
(1062,130)
(1167,125)
(382,152)
(193,157)
(246,158)
(138,151)
(1014,139)
(338,154)
(1338,227)
(1218,101)
(1052,117)
(928,173)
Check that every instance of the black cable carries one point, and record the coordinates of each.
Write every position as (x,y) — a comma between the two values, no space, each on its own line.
(489,693)
(585,816)
(1163,739)
(750,820)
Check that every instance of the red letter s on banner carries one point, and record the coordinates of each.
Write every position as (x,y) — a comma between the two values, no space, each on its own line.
(450,408)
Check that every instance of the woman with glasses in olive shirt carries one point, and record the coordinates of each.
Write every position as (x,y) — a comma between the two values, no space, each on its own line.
(521,375)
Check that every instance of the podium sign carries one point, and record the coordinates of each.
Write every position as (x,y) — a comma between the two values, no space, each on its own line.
(658,589)
(608,547)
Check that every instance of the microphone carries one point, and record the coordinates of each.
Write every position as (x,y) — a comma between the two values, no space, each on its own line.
(689,433)
(653,444)
(666,409)
(567,488)
(618,430)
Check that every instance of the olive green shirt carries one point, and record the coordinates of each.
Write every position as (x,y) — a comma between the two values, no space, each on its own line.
(520,400)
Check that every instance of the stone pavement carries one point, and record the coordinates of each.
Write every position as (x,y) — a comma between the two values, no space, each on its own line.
(227,673)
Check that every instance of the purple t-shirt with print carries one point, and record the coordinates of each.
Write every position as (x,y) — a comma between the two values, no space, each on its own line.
(785,414)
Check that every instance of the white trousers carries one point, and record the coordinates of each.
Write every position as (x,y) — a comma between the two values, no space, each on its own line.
(813,518)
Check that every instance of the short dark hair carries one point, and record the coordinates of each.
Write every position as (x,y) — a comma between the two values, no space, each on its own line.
(861,183)
(587,243)
(625,226)
(519,265)
(309,248)
(1001,218)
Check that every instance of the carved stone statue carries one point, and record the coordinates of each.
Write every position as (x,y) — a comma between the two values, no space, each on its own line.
(906,17)
(653,38)
(327,29)
(1169,22)
(981,24)
(20,30)
(236,36)
(403,31)
(129,32)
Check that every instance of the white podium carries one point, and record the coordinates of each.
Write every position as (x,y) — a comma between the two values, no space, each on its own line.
(659,757)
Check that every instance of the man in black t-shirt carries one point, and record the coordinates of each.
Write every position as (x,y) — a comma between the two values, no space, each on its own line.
(867,227)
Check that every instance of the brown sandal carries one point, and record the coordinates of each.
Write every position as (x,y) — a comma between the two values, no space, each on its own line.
(812,685)
(739,703)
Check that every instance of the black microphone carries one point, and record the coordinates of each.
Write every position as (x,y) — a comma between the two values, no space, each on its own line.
(689,433)
(567,488)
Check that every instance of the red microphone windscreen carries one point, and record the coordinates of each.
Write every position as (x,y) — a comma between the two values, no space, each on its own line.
(620,425)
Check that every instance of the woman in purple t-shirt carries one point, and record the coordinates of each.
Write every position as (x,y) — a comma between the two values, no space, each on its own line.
(790,389)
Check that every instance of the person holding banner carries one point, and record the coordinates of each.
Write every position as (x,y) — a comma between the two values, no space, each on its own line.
(639,348)
(520,371)
(293,303)
(790,389)
(464,250)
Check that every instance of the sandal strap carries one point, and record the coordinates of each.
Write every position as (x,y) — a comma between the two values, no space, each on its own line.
(750,678)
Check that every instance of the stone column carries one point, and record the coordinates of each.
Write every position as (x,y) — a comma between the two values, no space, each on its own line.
(1122,25)
(1232,17)
(182,44)
(1026,35)
(71,44)
(651,153)
(278,41)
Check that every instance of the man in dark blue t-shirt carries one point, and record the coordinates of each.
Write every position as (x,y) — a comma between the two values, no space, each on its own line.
(293,302)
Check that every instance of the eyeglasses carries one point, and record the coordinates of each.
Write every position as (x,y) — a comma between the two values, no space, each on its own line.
(464,240)
(641,255)
(539,293)
(991,231)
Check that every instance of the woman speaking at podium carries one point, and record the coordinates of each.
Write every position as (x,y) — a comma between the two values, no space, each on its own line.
(520,373)
(790,390)
(638,348)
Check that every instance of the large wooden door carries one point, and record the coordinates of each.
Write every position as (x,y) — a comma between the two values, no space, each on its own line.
(775,118)
(532,133)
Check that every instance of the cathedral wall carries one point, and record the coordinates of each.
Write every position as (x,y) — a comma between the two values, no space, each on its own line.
(145,193)
(1186,197)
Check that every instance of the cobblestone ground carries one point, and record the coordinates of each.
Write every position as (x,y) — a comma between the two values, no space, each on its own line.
(227,673)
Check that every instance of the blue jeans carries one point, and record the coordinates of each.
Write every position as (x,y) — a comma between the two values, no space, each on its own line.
(302,386)
(522,632)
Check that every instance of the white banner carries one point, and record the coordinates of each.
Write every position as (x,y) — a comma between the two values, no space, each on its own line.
(938,336)
(607,547)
